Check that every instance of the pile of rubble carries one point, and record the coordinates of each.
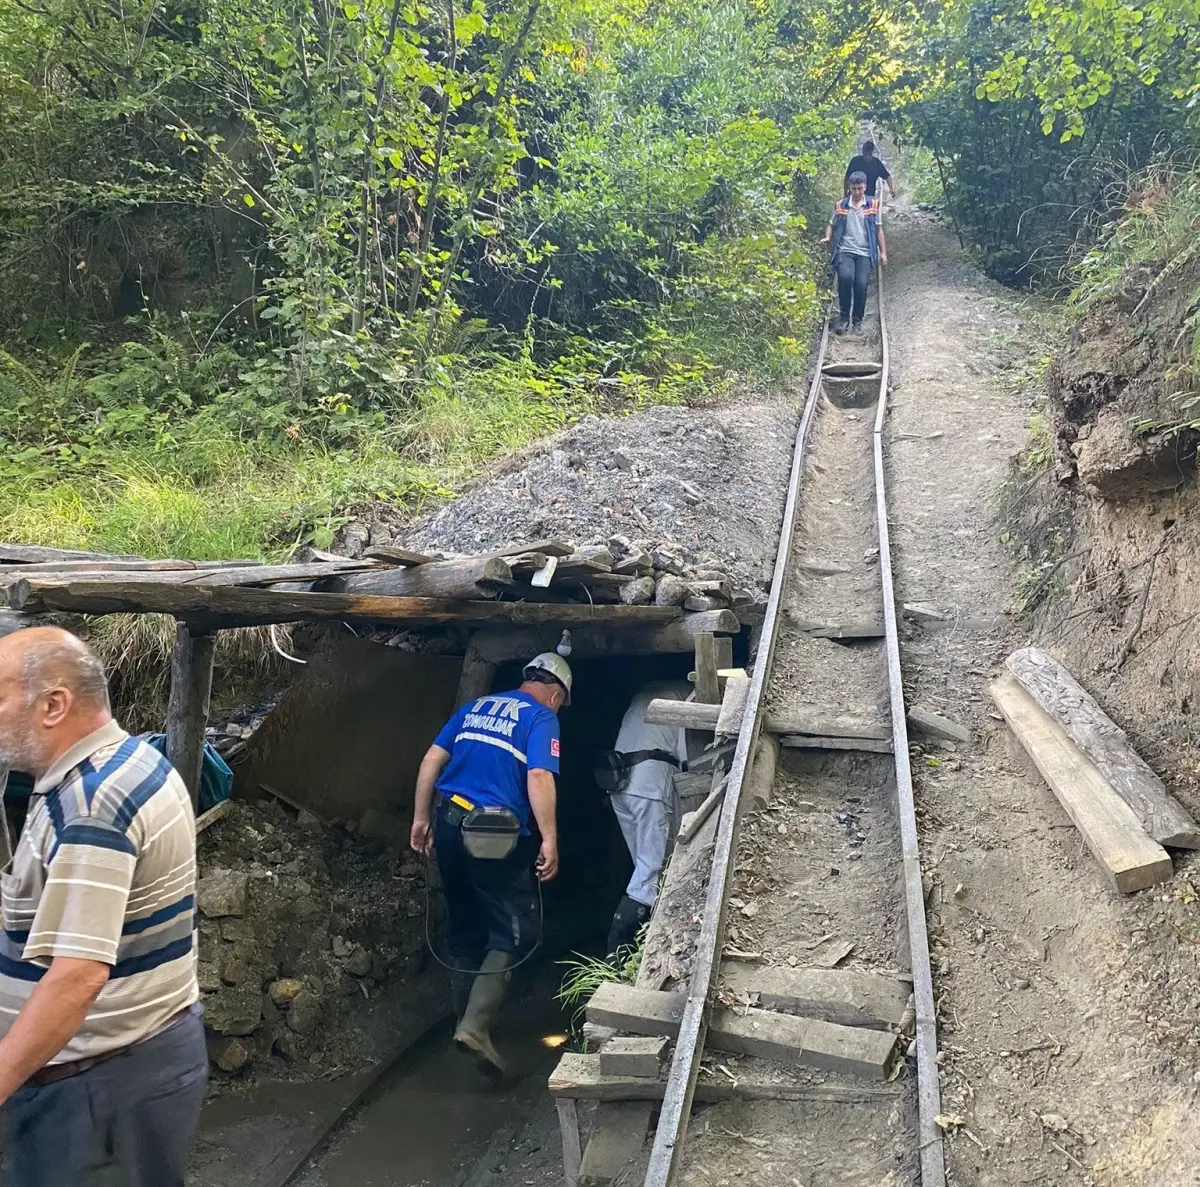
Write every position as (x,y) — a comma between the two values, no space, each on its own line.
(300,927)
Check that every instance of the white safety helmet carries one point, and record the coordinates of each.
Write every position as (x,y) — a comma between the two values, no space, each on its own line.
(550,662)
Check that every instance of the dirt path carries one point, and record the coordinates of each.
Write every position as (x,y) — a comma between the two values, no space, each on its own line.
(1045,1055)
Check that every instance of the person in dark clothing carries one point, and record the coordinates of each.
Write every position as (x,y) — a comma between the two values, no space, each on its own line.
(872,168)
(857,243)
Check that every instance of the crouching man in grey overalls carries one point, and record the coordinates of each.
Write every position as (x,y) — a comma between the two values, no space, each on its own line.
(640,783)
(491,769)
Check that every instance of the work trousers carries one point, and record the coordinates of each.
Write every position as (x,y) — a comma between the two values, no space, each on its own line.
(646,827)
(130,1121)
(853,274)
(491,904)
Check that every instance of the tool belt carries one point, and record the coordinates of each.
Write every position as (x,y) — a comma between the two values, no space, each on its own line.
(613,768)
(488,833)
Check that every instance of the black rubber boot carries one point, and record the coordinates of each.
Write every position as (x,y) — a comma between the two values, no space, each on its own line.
(626,923)
(474,1029)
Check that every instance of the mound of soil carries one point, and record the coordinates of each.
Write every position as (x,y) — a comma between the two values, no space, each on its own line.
(1119,385)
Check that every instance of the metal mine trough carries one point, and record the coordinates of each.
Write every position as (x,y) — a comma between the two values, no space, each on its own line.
(851,385)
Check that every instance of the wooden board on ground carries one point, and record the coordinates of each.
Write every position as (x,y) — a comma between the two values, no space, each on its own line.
(808,742)
(400,556)
(781,1037)
(618,1134)
(579,1077)
(935,725)
(861,629)
(1098,737)
(1130,858)
(634,1055)
(845,996)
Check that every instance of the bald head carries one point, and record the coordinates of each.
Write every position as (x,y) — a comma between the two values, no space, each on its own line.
(53,692)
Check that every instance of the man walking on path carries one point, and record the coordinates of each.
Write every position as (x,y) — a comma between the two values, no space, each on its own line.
(102,1060)
(872,168)
(492,768)
(857,243)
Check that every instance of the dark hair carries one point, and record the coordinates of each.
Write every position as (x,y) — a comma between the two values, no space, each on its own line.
(857,176)
(541,676)
(868,148)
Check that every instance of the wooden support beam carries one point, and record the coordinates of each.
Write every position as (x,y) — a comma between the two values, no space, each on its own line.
(226,606)
(760,779)
(618,1135)
(934,725)
(187,707)
(466,577)
(477,675)
(1131,860)
(708,690)
(845,996)
(733,705)
(693,822)
(578,1077)
(113,565)
(858,629)
(32,553)
(245,575)
(1098,737)
(593,634)
(554,548)
(568,1124)
(781,1037)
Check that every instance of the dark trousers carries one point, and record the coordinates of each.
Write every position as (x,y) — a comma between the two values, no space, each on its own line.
(491,905)
(853,274)
(130,1121)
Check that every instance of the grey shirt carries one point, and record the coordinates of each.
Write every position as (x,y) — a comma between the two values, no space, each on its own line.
(854,238)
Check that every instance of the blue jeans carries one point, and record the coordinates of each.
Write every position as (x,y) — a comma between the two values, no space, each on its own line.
(130,1121)
(854,274)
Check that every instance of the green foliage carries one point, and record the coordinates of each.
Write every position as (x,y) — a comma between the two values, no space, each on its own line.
(585,974)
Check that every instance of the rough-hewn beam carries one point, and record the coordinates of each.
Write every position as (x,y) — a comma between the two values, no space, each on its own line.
(226,606)
(187,708)
(466,577)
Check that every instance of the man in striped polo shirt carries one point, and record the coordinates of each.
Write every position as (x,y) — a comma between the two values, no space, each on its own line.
(102,1059)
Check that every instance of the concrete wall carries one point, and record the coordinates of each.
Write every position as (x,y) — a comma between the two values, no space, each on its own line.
(350,731)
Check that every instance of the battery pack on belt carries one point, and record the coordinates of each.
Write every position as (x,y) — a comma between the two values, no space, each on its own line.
(488,833)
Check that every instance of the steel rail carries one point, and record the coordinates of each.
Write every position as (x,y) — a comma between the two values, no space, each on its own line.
(933,1166)
(685,1065)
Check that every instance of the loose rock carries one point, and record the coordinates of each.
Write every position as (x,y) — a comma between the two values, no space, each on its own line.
(305,1012)
(222,892)
(234,1010)
(285,991)
(638,592)
(230,1055)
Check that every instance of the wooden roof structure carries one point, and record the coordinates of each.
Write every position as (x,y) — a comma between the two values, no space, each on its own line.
(503,597)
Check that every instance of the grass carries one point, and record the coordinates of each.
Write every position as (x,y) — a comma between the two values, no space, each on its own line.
(585,974)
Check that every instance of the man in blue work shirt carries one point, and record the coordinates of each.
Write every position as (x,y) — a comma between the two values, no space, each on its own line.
(491,768)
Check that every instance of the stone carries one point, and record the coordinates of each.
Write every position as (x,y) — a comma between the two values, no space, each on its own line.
(236,970)
(234,1010)
(620,546)
(638,592)
(222,892)
(304,1014)
(670,591)
(291,1046)
(341,946)
(359,964)
(234,928)
(668,560)
(309,822)
(621,460)
(285,991)
(230,1055)
(208,976)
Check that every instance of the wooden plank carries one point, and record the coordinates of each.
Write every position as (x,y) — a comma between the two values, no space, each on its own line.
(1107,745)
(244,606)
(400,556)
(32,553)
(1130,858)
(856,629)
(553,548)
(568,1124)
(760,780)
(215,813)
(708,689)
(466,577)
(733,705)
(617,1138)
(934,725)
(633,1055)
(694,821)
(542,578)
(722,651)
(187,705)
(806,742)
(247,575)
(845,996)
(104,565)
(578,1077)
(781,1037)
(698,716)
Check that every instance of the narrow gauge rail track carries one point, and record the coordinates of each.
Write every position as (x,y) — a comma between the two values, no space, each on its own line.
(667,1152)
